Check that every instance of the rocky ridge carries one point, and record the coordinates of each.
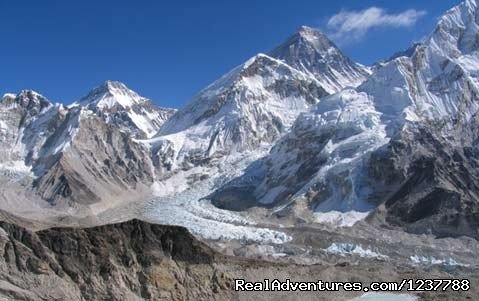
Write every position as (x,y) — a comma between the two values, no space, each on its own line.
(136,260)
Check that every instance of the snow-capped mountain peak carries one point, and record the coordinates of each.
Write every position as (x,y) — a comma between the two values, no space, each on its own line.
(244,111)
(28,99)
(8,95)
(316,39)
(305,41)
(425,85)
(116,103)
(310,51)
(258,82)
(109,94)
(457,31)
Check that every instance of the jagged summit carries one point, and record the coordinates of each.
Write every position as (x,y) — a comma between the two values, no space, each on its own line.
(305,40)
(312,52)
(8,95)
(115,87)
(116,103)
(27,99)
(109,94)
(457,32)
(314,37)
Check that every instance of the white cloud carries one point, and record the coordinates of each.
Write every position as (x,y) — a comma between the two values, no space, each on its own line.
(353,25)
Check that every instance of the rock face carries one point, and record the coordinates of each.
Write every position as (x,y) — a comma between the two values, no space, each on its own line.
(129,261)
(434,181)
(101,163)
(17,119)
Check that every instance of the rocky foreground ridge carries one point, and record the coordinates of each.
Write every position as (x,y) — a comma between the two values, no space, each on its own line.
(136,260)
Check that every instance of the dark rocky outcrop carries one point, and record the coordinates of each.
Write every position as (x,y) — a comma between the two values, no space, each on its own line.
(127,261)
(434,182)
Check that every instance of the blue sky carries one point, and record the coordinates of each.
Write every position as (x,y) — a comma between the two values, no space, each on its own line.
(169,50)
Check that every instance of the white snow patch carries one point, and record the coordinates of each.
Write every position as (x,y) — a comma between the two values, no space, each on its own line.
(9,95)
(3,125)
(14,169)
(340,219)
(67,136)
(431,260)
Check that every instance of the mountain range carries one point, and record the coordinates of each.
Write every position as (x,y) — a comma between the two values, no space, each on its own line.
(297,164)
(302,132)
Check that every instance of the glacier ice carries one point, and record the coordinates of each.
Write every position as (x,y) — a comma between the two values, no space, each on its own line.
(344,249)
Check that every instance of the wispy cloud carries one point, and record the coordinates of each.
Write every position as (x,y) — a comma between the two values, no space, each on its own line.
(353,25)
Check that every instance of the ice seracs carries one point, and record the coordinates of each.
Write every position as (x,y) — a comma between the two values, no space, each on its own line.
(343,249)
